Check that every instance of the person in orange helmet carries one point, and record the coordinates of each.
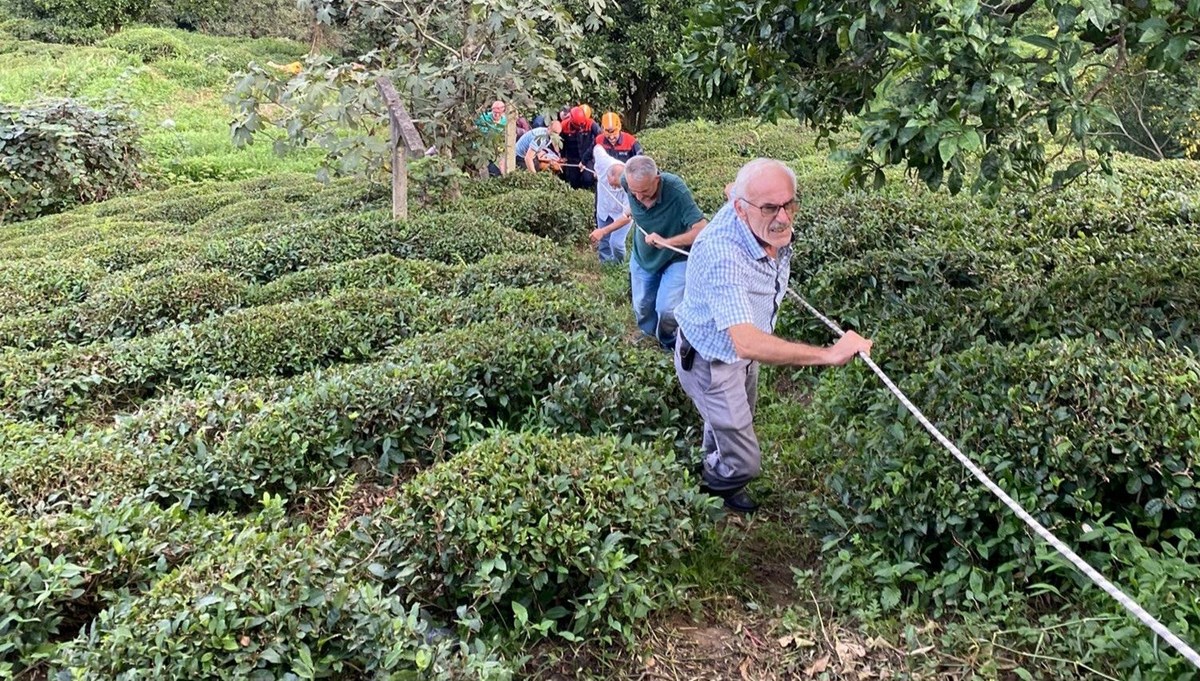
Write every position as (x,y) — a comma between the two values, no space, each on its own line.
(619,144)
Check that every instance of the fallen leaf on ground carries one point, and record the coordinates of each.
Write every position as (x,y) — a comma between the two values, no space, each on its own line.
(819,665)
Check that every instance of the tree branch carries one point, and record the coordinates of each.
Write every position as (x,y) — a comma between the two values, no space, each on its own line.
(1118,67)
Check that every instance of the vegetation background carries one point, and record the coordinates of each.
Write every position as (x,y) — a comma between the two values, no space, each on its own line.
(250,426)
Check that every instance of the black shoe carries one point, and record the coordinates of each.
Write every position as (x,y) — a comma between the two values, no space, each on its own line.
(741,502)
(736,500)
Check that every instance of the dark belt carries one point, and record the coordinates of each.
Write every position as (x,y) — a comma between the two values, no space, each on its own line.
(687,354)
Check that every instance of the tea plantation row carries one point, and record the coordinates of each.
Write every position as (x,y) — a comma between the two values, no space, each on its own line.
(181,369)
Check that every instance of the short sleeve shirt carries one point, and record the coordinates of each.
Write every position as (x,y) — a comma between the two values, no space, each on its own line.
(673,214)
(730,280)
(537,139)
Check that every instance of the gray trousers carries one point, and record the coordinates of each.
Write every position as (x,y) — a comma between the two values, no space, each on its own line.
(725,395)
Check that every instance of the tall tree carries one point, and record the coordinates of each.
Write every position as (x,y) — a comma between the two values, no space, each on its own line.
(449,60)
(1000,93)
(638,44)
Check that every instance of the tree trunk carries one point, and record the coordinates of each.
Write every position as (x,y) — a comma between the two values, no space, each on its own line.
(638,107)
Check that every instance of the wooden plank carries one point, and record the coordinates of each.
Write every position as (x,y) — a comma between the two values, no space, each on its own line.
(510,141)
(399,116)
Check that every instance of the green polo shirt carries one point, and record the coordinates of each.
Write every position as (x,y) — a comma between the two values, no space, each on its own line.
(674,213)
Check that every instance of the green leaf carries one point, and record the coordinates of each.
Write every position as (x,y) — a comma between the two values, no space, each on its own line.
(1153,30)
(947,148)
(1187,500)
(889,597)
(970,141)
(520,613)
(1042,41)
(423,658)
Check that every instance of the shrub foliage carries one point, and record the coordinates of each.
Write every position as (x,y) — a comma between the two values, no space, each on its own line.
(58,153)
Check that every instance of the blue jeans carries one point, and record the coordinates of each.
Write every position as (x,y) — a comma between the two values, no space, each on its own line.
(612,246)
(655,296)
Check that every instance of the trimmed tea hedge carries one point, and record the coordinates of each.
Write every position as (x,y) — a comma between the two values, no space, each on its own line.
(493,271)
(1077,431)
(436,399)
(42,285)
(127,307)
(57,571)
(514,182)
(449,238)
(447,381)
(563,217)
(574,536)
(273,602)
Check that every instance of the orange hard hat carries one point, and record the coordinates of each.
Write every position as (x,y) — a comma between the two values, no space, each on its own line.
(587,110)
(578,118)
(610,123)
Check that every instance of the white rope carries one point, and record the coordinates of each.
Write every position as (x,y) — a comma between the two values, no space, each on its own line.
(1100,580)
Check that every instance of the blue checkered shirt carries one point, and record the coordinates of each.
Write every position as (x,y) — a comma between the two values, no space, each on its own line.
(730,280)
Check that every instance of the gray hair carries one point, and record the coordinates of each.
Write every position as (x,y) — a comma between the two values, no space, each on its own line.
(617,168)
(750,172)
(641,168)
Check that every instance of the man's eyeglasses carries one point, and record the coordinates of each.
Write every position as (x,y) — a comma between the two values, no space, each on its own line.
(771,210)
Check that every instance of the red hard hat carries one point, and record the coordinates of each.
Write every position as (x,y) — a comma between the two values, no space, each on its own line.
(579,117)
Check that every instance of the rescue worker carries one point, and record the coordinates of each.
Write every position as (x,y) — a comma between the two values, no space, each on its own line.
(620,145)
(578,142)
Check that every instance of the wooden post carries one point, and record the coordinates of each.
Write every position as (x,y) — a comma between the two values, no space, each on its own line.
(401,129)
(399,178)
(510,142)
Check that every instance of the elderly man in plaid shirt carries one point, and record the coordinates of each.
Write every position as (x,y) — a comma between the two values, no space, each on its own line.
(736,278)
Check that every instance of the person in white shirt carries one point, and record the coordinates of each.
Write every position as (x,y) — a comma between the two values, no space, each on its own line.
(612,209)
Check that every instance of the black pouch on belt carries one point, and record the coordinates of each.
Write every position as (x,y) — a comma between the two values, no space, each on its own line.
(687,354)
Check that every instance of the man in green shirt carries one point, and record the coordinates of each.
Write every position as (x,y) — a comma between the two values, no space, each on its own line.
(662,205)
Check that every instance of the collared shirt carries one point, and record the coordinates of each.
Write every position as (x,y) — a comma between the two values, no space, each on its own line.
(672,214)
(538,140)
(730,280)
(611,202)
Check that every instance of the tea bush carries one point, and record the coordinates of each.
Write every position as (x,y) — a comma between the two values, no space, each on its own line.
(61,385)
(273,601)
(563,217)
(108,14)
(1076,431)
(127,307)
(151,44)
(493,271)
(46,469)
(49,31)
(192,449)
(514,182)
(572,536)
(431,402)
(450,238)
(42,285)
(377,271)
(244,215)
(60,569)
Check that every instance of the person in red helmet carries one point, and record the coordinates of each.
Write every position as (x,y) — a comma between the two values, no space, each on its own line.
(619,144)
(579,134)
